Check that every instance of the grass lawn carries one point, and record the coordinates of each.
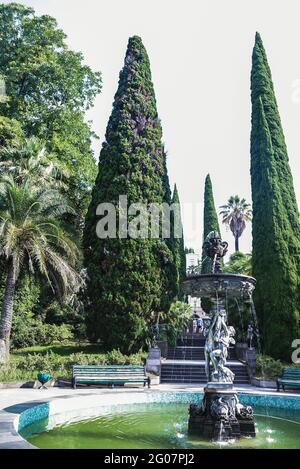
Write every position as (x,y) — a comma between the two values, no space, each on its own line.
(59,349)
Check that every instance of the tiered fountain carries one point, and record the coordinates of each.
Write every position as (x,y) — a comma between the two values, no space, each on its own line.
(219,416)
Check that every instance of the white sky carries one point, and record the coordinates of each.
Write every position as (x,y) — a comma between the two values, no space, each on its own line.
(200,55)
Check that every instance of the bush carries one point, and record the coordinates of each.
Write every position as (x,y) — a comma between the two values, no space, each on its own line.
(35,332)
(27,366)
(268,367)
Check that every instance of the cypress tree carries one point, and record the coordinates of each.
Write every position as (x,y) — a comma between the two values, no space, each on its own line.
(210,222)
(172,273)
(178,249)
(126,278)
(262,87)
(275,229)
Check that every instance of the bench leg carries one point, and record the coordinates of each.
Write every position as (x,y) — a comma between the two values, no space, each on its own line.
(149,382)
(73,383)
(283,387)
(278,387)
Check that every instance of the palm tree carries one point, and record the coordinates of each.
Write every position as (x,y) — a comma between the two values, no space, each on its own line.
(235,215)
(29,161)
(33,236)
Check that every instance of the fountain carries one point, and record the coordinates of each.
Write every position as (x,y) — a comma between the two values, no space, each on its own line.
(220,416)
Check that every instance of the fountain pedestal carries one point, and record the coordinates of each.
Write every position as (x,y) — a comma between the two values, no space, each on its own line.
(220,416)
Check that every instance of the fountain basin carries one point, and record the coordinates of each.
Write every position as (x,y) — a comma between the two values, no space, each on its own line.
(150,420)
(221,285)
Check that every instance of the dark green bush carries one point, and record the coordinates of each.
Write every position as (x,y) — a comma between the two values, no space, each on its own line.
(27,366)
(268,367)
(30,332)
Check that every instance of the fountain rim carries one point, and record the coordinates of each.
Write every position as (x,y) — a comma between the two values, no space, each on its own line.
(221,275)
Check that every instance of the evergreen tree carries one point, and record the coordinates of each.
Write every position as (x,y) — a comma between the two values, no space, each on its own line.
(126,283)
(178,250)
(210,222)
(276,247)
(262,87)
(172,275)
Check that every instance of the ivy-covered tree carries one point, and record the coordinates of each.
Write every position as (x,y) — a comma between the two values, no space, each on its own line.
(210,222)
(178,249)
(276,247)
(48,90)
(126,285)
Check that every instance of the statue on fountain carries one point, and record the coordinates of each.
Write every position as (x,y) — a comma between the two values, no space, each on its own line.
(215,248)
(220,416)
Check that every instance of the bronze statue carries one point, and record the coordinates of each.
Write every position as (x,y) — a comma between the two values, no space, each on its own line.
(215,248)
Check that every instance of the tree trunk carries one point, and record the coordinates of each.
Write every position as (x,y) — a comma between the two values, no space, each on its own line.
(236,239)
(7,310)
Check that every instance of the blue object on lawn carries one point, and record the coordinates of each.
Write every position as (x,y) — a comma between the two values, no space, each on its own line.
(43,379)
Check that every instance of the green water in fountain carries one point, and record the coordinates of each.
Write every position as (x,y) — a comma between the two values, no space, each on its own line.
(159,426)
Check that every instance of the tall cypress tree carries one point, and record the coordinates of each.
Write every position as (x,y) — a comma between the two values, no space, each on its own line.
(210,222)
(172,273)
(178,249)
(126,282)
(275,229)
(262,87)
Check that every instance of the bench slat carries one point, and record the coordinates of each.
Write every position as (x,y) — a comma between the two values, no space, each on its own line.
(109,374)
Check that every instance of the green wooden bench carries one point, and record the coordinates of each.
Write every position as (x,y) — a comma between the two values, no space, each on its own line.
(290,377)
(109,375)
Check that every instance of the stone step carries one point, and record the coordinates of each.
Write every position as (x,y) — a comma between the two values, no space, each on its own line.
(192,353)
(195,372)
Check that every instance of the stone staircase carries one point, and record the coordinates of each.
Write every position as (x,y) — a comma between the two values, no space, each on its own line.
(185,363)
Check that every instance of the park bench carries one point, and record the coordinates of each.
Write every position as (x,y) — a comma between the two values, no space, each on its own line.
(109,375)
(290,377)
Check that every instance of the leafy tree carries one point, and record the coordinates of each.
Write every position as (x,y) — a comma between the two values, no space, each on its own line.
(210,222)
(235,215)
(48,90)
(175,321)
(10,132)
(239,263)
(32,236)
(276,247)
(127,277)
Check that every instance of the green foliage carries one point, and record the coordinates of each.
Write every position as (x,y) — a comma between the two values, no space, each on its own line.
(268,367)
(128,278)
(239,263)
(276,227)
(26,367)
(27,331)
(262,89)
(235,215)
(178,248)
(48,90)
(210,222)
(10,132)
(175,321)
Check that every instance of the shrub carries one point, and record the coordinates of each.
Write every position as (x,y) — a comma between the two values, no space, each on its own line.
(27,366)
(268,367)
(34,332)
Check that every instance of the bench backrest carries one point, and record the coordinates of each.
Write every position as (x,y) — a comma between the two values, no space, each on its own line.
(291,373)
(106,370)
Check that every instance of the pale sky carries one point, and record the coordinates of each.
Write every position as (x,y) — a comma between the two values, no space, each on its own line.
(200,55)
